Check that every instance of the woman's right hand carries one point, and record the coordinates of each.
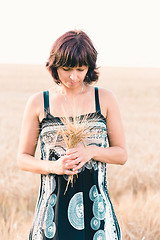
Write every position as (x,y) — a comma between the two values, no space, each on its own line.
(59,167)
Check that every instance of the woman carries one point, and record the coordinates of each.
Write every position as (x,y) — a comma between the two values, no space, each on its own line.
(84,211)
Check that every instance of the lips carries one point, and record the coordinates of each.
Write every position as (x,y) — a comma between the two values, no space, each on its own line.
(72,83)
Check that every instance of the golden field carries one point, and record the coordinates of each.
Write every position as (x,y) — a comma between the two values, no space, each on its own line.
(134,188)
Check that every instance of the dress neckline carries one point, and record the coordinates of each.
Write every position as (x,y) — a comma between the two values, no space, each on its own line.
(47,106)
(87,115)
(49,116)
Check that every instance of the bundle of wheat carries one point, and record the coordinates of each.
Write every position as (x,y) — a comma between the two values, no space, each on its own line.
(76,131)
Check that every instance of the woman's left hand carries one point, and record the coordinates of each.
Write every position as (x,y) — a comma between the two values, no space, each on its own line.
(78,157)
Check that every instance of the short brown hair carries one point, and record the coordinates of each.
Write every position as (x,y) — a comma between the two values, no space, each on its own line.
(74,48)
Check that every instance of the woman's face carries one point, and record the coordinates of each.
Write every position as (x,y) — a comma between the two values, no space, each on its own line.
(72,77)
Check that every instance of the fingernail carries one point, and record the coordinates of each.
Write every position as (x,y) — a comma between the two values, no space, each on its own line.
(66,164)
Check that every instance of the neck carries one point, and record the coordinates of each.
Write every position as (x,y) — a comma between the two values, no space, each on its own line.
(71,92)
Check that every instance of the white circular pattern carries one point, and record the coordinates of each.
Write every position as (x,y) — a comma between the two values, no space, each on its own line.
(50,231)
(95,223)
(99,207)
(53,200)
(93,193)
(53,183)
(49,216)
(99,235)
(76,211)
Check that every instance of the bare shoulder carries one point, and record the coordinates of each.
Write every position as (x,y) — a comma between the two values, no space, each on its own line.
(104,92)
(107,99)
(35,99)
(35,103)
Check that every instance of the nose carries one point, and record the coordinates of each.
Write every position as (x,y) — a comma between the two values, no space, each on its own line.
(74,75)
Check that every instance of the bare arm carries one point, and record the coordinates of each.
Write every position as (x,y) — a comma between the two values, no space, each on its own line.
(116,153)
(28,142)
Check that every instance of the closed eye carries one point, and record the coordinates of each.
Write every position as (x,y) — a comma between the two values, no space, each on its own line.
(66,69)
(80,69)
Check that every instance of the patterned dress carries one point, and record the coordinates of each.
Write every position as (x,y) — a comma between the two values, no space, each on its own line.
(85,212)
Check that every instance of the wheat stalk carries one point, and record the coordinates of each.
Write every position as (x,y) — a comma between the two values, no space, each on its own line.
(75,132)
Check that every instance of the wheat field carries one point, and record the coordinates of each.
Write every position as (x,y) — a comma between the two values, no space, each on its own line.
(134,188)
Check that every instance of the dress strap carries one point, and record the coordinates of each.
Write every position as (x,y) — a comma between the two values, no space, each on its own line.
(98,109)
(46,103)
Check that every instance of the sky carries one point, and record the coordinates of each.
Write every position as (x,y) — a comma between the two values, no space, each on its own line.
(124,32)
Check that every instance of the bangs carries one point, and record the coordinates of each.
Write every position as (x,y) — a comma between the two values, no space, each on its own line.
(72,56)
(73,49)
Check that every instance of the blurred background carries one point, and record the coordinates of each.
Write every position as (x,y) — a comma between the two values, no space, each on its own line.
(125,34)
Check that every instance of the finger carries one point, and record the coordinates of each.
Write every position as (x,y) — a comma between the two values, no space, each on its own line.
(70,151)
(78,166)
(69,172)
(72,156)
(77,160)
(70,164)
(65,159)
(74,167)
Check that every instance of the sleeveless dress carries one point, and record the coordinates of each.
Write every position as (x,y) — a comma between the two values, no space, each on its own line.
(85,211)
